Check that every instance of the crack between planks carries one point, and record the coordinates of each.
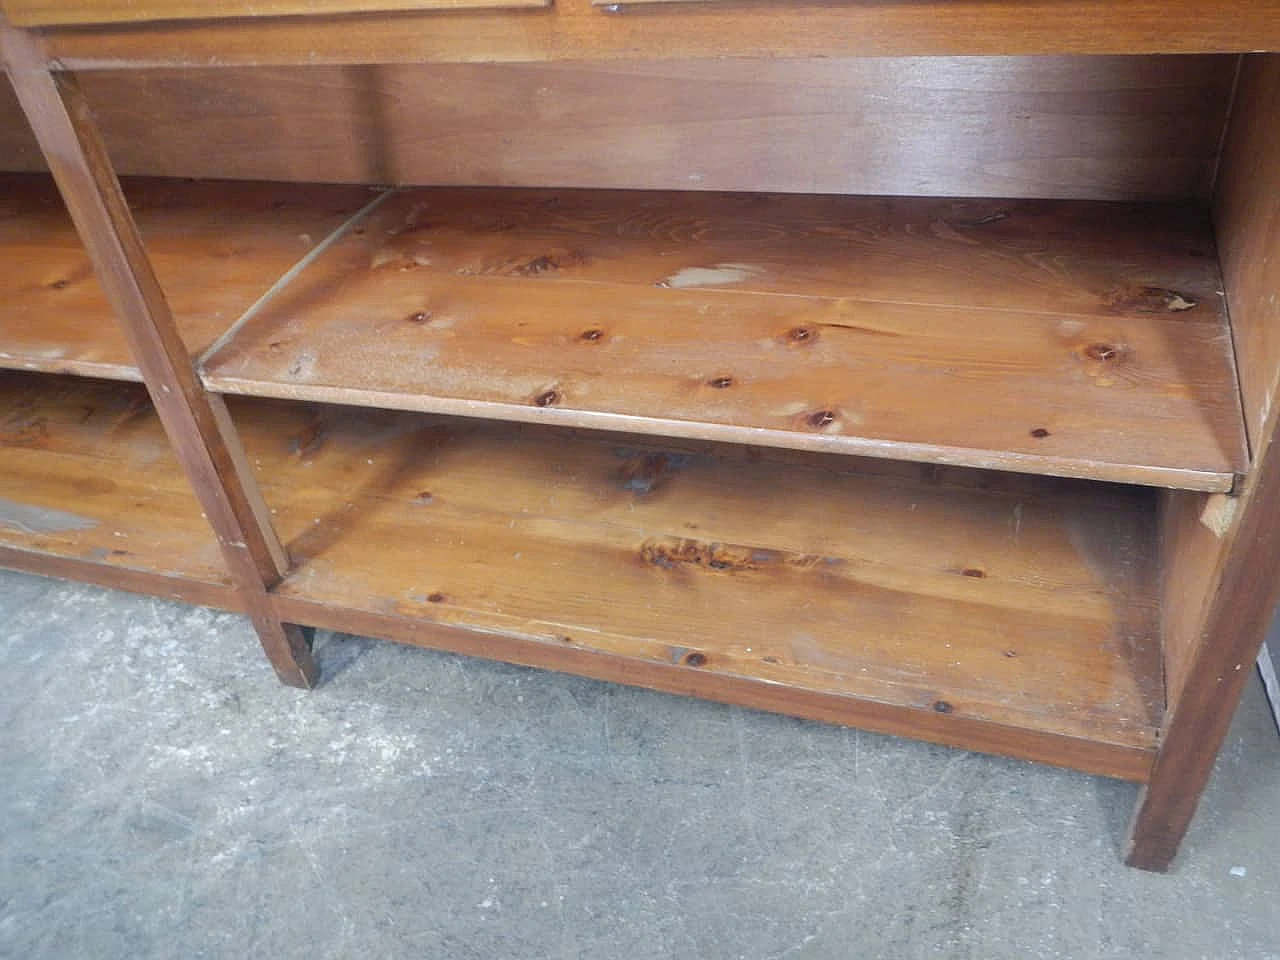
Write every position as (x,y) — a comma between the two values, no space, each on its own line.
(292,274)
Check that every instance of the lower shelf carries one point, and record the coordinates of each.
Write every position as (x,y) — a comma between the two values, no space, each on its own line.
(999,612)
(90,490)
(996,612)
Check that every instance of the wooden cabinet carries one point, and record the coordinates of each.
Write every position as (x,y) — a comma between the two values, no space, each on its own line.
(935,396)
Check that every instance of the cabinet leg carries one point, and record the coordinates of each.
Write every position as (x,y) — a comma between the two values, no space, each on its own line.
(1182,769)
(288,647)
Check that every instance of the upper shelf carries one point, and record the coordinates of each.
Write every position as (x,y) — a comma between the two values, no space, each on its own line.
(216,248)
(1059,337)
(575,30)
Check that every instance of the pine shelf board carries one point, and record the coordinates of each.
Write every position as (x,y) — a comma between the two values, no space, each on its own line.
(90,489)
(1069,338)
(993,611)
(217,248)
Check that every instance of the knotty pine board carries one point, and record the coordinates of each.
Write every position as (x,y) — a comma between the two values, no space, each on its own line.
(1068,338)
(964,600)
(217,248)
(998,612)
(90,489)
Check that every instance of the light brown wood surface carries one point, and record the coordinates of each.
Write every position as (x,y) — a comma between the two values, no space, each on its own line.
(1086,127)
(87,475)
(1222,579)
(1023,603)
(217,247)
(45,13)
(1049,337)
(575,30)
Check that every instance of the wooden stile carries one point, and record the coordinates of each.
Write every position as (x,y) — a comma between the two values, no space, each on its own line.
(1223,554)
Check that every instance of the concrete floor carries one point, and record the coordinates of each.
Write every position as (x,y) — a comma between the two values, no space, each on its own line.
(162,796)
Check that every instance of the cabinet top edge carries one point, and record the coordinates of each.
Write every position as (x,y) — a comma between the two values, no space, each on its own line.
(578,30)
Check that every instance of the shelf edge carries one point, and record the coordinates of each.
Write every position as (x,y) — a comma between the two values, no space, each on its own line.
(1165,477)
(1119,761)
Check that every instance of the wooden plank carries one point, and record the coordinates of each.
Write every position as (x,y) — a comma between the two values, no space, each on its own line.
(89,487)
(48,13)
(874,592)
(195,423)
(166,587)
(1048,337)
(1226,568)
(1112,128)
(1192,526)
(1092,756)
(216,247)
(574,30)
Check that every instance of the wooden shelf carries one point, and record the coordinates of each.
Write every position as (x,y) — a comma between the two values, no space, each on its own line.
(90,489)
(1069,338)
(997,612)
(217,247)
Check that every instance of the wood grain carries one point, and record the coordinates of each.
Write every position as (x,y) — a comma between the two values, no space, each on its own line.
(195,422)
(46,13)
(1042,337)
(1248,224)
(937,595)
(87,475)
(1110,128)
(216,247)
(575,30)
(1226,567)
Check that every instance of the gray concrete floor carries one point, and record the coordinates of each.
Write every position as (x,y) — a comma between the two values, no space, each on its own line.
(162,796)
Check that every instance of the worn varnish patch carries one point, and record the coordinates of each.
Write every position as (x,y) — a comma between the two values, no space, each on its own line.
(674,553)
(33,519)
(720,275)
(88,476)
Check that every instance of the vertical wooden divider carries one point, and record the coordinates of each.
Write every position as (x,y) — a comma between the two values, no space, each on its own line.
(196,422)
(1221,554)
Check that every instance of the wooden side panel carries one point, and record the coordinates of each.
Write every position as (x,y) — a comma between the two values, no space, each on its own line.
(45,13)
(1078,339)
(1248,224)
(1222,577)
(1192,527)
(1105,128)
